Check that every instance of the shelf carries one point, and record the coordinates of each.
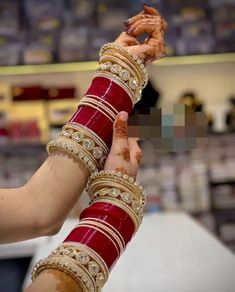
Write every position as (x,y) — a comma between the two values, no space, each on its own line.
(23,148)
(91,66)
(197,59)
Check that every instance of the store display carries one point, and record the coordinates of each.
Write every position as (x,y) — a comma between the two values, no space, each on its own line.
(10,50)
(40,48)
(9,17)
(73,44)
(44,14)
(70,31)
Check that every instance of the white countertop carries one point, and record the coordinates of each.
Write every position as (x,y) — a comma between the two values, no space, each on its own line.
(170,253)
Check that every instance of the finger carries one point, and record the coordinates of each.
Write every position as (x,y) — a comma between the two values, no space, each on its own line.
(120,134)
(136,18)
(126,40)
(150,22)
(133,19)
(135,155)
(145,27)
(157,34)
(158,50)
(152,11)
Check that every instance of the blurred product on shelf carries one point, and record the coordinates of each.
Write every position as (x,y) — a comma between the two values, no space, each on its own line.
(9,17)
(230,116)
(60,111)
(44,14)
(70,49)
(24,93)
(10,50)
(39,48)
(27,122)
(38,92)
(83,11)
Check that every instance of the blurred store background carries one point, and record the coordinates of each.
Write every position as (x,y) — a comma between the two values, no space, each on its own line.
(48,54)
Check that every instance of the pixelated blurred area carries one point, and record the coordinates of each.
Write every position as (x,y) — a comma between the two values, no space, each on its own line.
(177,127)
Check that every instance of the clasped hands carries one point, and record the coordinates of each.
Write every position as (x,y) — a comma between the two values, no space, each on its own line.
(148,21)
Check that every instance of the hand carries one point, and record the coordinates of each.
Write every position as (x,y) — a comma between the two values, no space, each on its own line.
(148,21)
(125,154)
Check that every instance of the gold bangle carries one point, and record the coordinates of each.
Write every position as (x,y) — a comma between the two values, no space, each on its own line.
(110,231)
(124,207)
(89,133)
(114,187)
(94,107)
(117,60)
(102,232)
(68,266)
(133,59)
(103,101)
(124,198)
(99,104)
(124,75)
(138,71)
(93,147)
(92,253)
(72,150)
(117,177)
(109,226)
(115,57)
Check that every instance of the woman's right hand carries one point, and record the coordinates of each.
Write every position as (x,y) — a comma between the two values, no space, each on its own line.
(148,21)
(125,154)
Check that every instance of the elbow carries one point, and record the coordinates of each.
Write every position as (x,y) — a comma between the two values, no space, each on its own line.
(49,227)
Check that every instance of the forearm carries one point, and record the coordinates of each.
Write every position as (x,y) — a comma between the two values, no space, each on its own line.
(41,206)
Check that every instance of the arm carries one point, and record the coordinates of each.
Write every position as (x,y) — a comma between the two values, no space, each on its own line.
(124,157)
(106,226)
(40,207)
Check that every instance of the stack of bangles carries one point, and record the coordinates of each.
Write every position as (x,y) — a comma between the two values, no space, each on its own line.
(116,200)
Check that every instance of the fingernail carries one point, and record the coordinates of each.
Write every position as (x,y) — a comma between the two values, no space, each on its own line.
(123,115)
(129,30)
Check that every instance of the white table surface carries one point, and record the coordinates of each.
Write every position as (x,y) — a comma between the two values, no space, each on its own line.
(170,253)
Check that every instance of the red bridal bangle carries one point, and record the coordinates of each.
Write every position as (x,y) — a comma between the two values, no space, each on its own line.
(106,227)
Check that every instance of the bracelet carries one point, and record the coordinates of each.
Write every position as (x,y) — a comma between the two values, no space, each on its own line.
(73,150)
(127,63)
(103,101)
(90,226)
(88,132)
(68,266)
(107,225)
(122,75)
(118,189)
(77,261)
(101,107)
(109,229)
(81,144)
(137,62)
(114,57)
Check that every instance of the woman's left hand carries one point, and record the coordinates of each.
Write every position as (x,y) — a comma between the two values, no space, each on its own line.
(148,21)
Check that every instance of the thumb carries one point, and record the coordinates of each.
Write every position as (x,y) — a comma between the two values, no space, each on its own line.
(120,134)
